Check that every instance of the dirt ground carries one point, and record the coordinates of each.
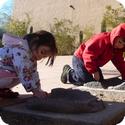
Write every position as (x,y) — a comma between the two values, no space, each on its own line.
(50,79)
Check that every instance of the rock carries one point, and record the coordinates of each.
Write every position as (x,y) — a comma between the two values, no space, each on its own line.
(93,84)
(106,83)
(67,101)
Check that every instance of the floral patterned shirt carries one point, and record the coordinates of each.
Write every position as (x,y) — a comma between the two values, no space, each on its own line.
(19,60)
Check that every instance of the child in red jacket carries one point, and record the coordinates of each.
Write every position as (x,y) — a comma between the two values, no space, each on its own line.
(95,53)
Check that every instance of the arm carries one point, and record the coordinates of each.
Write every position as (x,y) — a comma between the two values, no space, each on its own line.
(26,70)
(93,54)
(119,63)
(96,76)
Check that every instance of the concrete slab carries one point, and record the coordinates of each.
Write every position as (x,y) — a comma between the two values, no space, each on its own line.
(13,101)
(20,115)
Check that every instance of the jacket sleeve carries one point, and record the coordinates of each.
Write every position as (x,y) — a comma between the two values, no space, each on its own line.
(119,62)
(26,69)
(92,53)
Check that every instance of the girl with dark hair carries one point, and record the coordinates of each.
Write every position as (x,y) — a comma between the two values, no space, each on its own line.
(18,61)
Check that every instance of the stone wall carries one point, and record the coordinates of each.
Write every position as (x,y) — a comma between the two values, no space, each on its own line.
(43,12)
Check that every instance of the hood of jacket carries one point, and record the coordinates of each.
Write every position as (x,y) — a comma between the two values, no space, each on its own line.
(118,31)
(9,40)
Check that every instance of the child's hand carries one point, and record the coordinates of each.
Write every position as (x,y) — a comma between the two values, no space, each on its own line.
(96,76)
(39,93)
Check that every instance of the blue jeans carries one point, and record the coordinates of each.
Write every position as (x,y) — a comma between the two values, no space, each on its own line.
(79,74)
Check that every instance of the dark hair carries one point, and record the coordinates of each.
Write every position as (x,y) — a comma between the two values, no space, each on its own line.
(43,38)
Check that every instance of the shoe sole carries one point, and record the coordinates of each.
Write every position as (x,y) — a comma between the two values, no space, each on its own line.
(64,75)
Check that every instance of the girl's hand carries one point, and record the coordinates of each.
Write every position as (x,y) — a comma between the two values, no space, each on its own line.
(39,93)
(96,76)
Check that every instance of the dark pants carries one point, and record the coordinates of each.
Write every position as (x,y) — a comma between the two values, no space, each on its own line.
(79,74)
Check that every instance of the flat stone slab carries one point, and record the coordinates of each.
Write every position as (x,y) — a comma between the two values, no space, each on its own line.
(114,83)
(15,111)
(12,101)
(20,115)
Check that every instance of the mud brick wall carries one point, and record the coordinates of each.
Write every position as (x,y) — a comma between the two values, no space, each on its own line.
(42,12)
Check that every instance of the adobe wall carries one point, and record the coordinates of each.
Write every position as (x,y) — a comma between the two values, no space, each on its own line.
(42,12)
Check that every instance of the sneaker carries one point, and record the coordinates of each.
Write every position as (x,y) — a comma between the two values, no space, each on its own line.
(64,75)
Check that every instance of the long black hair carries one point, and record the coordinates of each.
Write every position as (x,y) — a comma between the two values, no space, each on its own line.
(43,38)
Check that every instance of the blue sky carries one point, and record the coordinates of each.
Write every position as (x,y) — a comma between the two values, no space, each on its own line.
(6,6)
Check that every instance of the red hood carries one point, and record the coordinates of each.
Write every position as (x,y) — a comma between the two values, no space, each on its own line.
(117,31)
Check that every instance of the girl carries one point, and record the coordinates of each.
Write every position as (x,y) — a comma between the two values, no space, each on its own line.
(95,53)
(18,61)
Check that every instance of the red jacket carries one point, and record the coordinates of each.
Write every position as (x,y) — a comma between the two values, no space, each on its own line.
(98,50)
